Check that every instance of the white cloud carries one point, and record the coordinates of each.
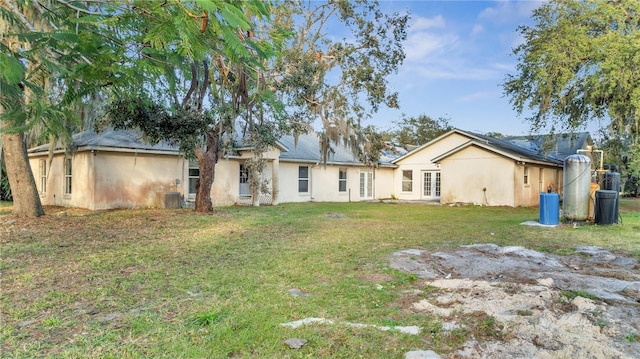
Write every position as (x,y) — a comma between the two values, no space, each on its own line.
(421,46)
(477,29)
(437,49)
(423,23)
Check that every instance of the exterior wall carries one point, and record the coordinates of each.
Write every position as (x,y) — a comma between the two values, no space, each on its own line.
(323,183)
(130,180)
(226,186)
(421,161)
(474,175)
(54,194)
(385,179)
(540,177)
(107,180)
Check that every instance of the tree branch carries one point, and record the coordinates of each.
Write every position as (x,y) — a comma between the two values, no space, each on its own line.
(77,8)
(204,86)
(194,84)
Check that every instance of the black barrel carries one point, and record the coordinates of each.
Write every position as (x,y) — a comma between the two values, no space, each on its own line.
(606,207)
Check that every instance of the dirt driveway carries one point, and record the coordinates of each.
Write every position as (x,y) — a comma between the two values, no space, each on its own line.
(584,305)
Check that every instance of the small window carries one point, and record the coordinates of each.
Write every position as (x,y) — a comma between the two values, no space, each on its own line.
(342,180)
(526,175)
(43,176)
(68,171)
(407,181)
(194,177)
(303,179)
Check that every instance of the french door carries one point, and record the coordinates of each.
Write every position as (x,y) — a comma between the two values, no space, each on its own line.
(366,185)
(431,184)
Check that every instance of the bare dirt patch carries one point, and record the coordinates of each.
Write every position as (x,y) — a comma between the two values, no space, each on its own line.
(539,305)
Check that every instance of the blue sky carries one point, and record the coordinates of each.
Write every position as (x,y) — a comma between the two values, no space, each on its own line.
(458,55)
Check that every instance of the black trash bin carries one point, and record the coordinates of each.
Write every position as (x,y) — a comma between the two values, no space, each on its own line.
(606,211)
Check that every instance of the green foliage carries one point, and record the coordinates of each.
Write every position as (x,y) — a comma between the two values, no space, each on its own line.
(419,130)
(11,72)
(184,126)
(580,62)
(338,82)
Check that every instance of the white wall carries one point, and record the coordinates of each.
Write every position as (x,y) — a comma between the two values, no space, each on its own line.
(420,160)
(475,175)
(323,183)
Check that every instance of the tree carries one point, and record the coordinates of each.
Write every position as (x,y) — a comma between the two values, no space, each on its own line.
(249,94)
(338,82)
(580,62)
(226,88)
(93,46)
(419,130)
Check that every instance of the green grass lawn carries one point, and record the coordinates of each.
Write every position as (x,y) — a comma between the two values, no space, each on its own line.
(177,284)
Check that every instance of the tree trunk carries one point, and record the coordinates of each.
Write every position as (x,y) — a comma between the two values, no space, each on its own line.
(26,201)
(207,160)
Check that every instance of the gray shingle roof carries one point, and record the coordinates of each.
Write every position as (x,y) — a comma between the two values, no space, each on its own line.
(116,139)
(516,149)
(552,149)
(557,146)
(307,149)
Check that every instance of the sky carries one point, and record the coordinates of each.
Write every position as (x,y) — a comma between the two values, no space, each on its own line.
(458,54)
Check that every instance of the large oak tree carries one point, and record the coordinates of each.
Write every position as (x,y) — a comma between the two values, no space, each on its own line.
(580,62)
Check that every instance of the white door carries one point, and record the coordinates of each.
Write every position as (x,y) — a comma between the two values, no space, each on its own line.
(366,185)
(431,184)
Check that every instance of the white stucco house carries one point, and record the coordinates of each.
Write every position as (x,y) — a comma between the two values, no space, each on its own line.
(461,166)
(117,169)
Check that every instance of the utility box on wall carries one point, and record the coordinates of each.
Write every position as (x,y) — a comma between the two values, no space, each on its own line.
(172,200)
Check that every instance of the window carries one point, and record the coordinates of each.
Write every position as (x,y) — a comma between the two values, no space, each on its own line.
(67,176)
(526,175)
(438,184)
(303,179)
(342,180)
(407,181)
(43,176)
(194,177)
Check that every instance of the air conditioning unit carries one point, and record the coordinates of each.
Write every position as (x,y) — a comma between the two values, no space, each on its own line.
(172,200)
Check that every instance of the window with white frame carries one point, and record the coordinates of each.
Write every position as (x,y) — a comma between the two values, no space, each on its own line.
(43,176)
(526,175)
(303,179)
(68,171)
(194,177)
(407,181)
(342,180)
